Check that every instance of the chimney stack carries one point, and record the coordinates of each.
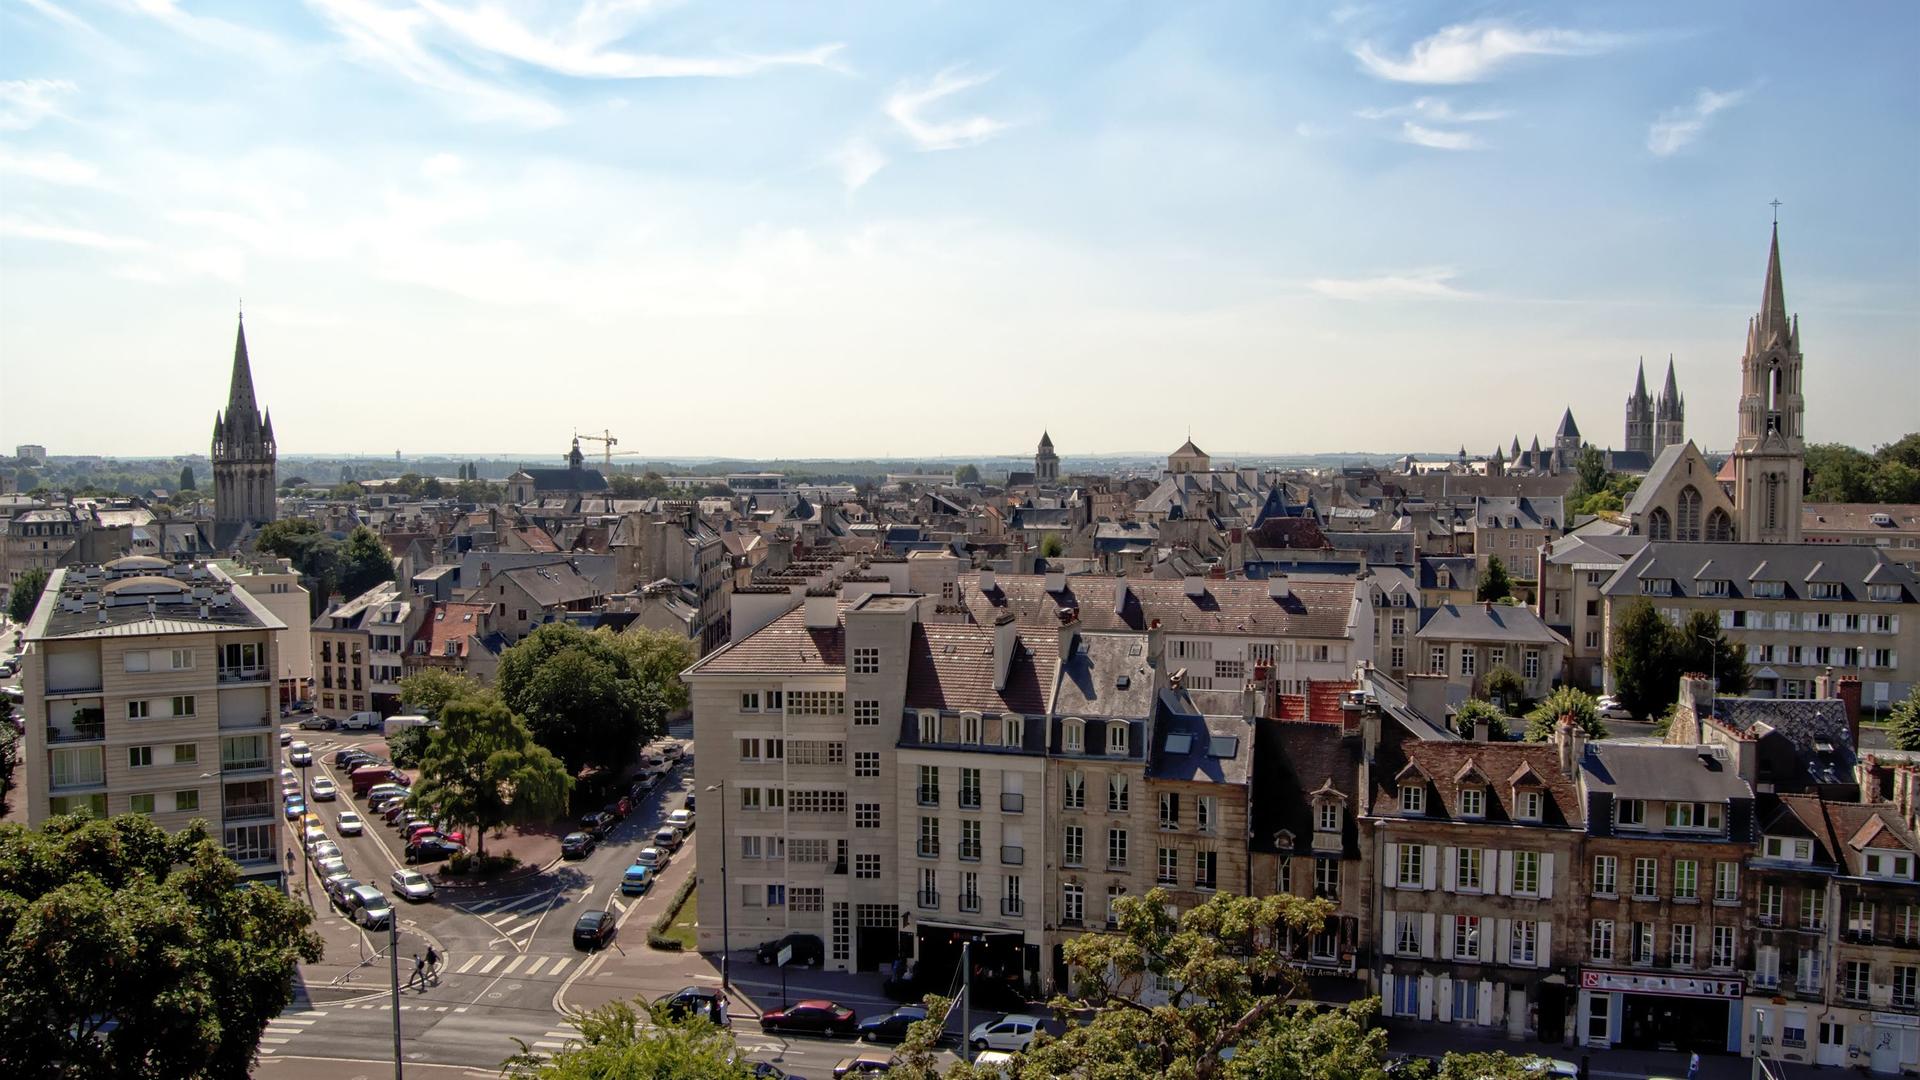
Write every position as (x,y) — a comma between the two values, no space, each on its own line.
(1571,740)
(1277,587)
(1847,689)
(1196,585)
(1119,596)
(1005,631)
(1056,581)
(1069,627)
(1427,695)
(986,583)
(822,609)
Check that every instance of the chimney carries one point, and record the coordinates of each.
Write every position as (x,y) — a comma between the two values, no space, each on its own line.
(986,583)
(1847,689)
(822,610)
(1005,631)
(1119,596)
(1196,585)
(1427,695)
(1480,732)
(1250,700)
(1277,587)
(1069,627)
(1056,581)
(1571,740)
(1696,702)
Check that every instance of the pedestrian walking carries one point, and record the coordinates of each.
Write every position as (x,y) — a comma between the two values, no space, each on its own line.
(419,968)
(433,963)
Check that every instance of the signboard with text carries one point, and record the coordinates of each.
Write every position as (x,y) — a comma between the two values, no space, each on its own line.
(1634,982)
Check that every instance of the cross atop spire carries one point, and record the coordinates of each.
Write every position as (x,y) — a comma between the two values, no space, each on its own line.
(1773,296)
(1776,211)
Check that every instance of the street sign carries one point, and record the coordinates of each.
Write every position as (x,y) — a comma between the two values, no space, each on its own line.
(786,955)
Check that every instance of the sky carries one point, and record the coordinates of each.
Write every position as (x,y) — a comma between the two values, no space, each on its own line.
(902,228)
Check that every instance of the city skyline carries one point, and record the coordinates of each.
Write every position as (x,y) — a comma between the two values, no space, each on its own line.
(1486,216)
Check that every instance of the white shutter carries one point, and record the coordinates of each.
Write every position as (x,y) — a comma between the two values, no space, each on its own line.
(1389,939)
(1449,925)
(1446,869)
(1895,624)
(1443,1001)
(1426,935)
(1726,619)
(1426,997)
(1506,872)
(1393,866)
(1486,1002)
(1502,943)
(1428,860)
(1489,868)
(1543,953)
(1546,876)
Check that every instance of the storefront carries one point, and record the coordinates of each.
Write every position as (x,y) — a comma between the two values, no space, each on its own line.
(1645,1011)
(1890,1042)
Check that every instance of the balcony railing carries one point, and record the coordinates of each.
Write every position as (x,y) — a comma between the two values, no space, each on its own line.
(1012,907)
(1858,936)
(243,764)
(238,811)
(969,902)
(1072,920)
(1012,802)
(969,799)
(929,796)
(929,900)
(929,849)
(969,851)
(242,674)
(80,732)
(1012,856)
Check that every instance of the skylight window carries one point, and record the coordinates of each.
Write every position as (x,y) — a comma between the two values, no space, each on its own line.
(1223,746)
(1179,744)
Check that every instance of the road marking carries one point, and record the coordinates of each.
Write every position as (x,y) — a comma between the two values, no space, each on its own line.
(481,907)
(560,965)
(521,929)
(615,901)
(468,966)
(549,1044)
(492,962)
(460,1008)
(299,1025)
(517,961)
(538,963)
(273,1041)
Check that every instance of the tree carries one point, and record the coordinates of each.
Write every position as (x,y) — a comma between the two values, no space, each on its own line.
(1473,711)
(1505,687)
(482,767)
(26,594)
(967,474)
(120,922)
(1700,646)
(657,658)
(582,695)
(1837,473)
(1486,1065)
(1600,502)
(615,1044)
(1544,720)
(1645,676)
(1052,547)
(364,562)
(429,690)
(1903,723)
(186,478)
(1494,583)
(1591,466)
(9,751)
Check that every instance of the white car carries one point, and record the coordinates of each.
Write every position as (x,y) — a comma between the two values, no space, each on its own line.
(1014,1033)
(330,867)
(412,884)
(651,857)
(682,820)
(1609,708)
(351,823)
(997,1063)
(299,754)
(313,835)
(325,849)
(323,789)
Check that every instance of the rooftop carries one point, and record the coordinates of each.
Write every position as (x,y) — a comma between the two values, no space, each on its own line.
(133,596)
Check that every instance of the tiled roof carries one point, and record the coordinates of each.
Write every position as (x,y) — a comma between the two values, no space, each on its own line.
(450,623)
(951,666)
(1858,517)
(1314,609)
(1685,565)
(1444,763)
(1291,762)
(1488,622)
(1859,826)
(785,646)
(1091,677)
(1321,704)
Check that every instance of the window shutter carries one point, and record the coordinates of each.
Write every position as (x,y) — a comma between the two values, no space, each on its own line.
(1447,869)
(1426,997)
(1449,926)
(1389,939)
(1426,935)
(1546,876)
(1393,866)
(1506,872)
(1443,1001)
(1427,874)
(1502,933)
(1486,1002)
(1489,868)
(1543,955)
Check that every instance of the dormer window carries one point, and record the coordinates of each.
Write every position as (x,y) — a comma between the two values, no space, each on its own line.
(1630,813)
(1530,805)
(1788,849)
(1328,817)
(1884,593)
(1413,798)
(929,727)
(1473,802)
(970,728)
(1013,731)
(1694,815)
(1442,579)
(1073,735)
(1656,586)
(1770,590)
(1117,738)
(1711,587)
(1824,590)
(1895,865)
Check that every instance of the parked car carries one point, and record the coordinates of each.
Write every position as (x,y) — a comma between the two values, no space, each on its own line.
(370,908)
(636,880)
(1545,1067)
(815,1016)
(641,787)
(351,755)
(682,820)
(1013,1032)
(412,885)
(299,754)
(892,1027)
(577,845)
(999,1064)
(432,850)
(391,809)
(367,777)
(807,950)
(617,809)
(652,857)
(863,1065)
(361,721)
(690,802)
(351,824)
(1609,708)
(331,866)
(667,838)
(323,789)
(286,737)
(597,823)
(301,707)
(593,930)
(340,891)
(296,807)
(417,829)
(693,1001)
(317,723)
(325,849)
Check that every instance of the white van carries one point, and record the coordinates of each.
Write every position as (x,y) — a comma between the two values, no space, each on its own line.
(361,721)
(401,723)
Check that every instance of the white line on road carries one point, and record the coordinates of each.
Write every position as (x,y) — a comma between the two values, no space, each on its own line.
(538,963)
(517,961)
(492,962)
(560,965)
(549,1044)
(270,1040)
(468,966)
(521,929)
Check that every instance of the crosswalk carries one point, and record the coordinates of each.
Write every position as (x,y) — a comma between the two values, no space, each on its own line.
(283,1029)
(513,918)
(525,965)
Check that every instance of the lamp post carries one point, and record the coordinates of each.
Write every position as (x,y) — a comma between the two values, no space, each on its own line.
(1713,665)
(726,935)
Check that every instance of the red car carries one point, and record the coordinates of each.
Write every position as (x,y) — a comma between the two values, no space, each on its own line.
(817,1017)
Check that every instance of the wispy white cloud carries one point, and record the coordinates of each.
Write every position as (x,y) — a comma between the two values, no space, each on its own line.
(858,161)
(583,46)
(1436,139)
(26,102)
(1429,283)
(1471,52)
(52,167)
(1436,110)
(907,107)
(216,32)
(59,14)
(1677,127)
(391,38)
(23,229)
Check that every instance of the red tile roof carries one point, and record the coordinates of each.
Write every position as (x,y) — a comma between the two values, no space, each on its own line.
(1445,763)
(450,622)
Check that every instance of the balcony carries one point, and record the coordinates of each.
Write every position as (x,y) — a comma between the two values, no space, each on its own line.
(929,900)
(90,730)
(247,764)
(236,812)
(1012,856)
(969,851)
(928,849)
(1012,907)
(242,723)
(929,796)
(969,902)
(969,799)
(256,673)
(1012,802)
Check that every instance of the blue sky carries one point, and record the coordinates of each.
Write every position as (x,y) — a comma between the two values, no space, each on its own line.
(902,228)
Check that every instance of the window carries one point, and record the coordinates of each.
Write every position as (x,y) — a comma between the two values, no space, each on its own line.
(1906,986)
(819,802)
(1407,939)
(1643,943)
(1013,731)
(1117,800)
(1169,809)
(1206,866)
(1530,665)
(1329,817)
(866,764)
(1722,947)
(929,788)
(1073,849)
(1473,802)
(139,757)
(1683,815)
(1646,878)
(1073,903)
(1073,736)
(1073,793)
(1630,813)
(1413,799)
(750,701)
(1887,864)
(1169,873)
(818,703)
(865,662)
(1813,910)
(1771,904)
(1466,869)
(1466,937)
(1726,883)
(866,713)
(1531,805)
(1326,878)
(808,751)
(1600,940)
(970,840)
(1412,866)
(929,837)
(1437,659)
(1855,980)
(1860,920)
(866,815)
(1117,738)
(866,867)
(749,798)
(1497,656)
(1686,879)
(141,803)
(1285,875)
(970,726)
(138,710)
(186,753)
(750,847)
(183,705)
(1526,873)
(1606,875)
(1906,925)
(186,800)
(1116,849)
(1205,815)
(1682,955)
(249,843)
(1525,942)
(1788,849)
(804,900)
(135,661)
(929,727)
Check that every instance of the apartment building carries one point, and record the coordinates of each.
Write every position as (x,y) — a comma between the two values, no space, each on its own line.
(150,689)
(276,584)
(1468,643)
(1514,529)
(359,650)
(678,546)
(1394,592)
(1572,573)
(1894,528)
(1304,837)
(1797,610)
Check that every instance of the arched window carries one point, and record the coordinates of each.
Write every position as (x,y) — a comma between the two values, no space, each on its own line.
(1719,527)
(1117,738)
(1687,514)
(1659,525)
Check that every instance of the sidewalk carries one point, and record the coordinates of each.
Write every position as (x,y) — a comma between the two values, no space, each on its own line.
(1403,1037)
(354,962)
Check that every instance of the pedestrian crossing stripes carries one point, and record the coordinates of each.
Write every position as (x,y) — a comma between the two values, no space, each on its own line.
(281,1030)
(556,1040)
(513,918)
(485,963)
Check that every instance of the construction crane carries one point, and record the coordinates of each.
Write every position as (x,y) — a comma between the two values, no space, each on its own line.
(607,443)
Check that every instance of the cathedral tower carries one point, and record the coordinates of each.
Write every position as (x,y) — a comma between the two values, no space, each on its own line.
(1669,415)
(1640,417)
(243,454)
(1046,464)
(1769,453)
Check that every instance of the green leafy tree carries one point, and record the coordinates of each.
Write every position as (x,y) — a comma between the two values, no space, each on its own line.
(581,695)
(657,658)
(482,767)
(1646,675)
(1600,502)
(967,474)
(1837,473)
(1701,647)
(1544,720)
(616,1043)
(1486,1065)
(345,492)
(1052,547)
(364,562)
(26,594)
(429,690)
(186,478)
(9,752)
(408,745)
(1895,482)
(1903,723)
(1495,584)
(1591,467)
(1473,711)
(121,923)
(1505,687)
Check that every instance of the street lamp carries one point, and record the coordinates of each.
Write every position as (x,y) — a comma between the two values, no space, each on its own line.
(726,935)
(1713,665)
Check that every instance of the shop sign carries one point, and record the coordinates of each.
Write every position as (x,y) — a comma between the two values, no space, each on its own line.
(1670,985)
(1896,1020)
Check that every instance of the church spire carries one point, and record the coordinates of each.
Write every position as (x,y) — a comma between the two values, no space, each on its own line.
(1671,392)
(240,395)
(1773,298)
(1640,382)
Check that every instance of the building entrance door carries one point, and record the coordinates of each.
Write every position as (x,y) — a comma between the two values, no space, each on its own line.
(1886,1050)
(1599,1019)
(1833,1044)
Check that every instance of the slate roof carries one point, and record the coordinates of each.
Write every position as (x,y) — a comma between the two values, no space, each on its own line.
(1202,761)
(1649,771)
(1444,764)
(1518,512)
(1858,517)
(1740,565)
(1859,827)
(785,646)
(1291,762)
(1811,741)
(1314,609)
(1461,571)
(552,584)
(576,480)
(951,666)
(1616,549)
(1488,622)
(1090,676)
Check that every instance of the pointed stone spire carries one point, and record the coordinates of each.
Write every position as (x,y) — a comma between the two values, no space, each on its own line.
(1568,429)
(1670,393)
(240,403)
(267,428)
(1640,382)
(1773,298)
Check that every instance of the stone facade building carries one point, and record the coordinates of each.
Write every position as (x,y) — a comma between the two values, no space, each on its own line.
(244,453)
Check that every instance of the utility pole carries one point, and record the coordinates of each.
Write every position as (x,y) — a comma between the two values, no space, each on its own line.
(726,901)
(393,964)
(966,1002)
